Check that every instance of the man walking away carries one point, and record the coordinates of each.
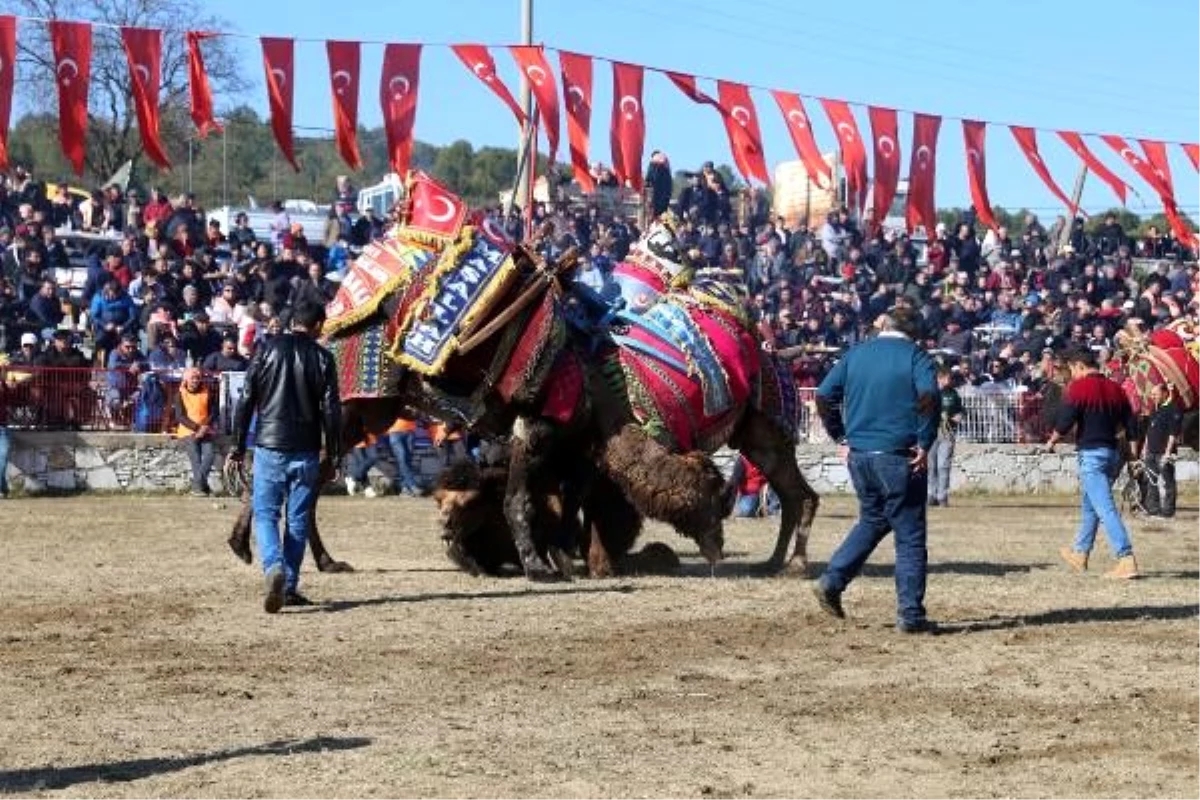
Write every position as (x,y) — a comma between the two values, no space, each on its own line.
(291,384)
(1163,427)
(1097,409)
(880,403)
(941,457)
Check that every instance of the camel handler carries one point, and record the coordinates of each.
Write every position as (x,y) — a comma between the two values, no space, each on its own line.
(1098,410)
(292,385)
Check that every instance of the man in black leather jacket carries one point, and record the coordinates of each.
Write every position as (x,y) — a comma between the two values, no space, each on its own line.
(291,384)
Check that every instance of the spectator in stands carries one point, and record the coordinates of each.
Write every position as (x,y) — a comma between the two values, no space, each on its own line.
(954,338)
(45,309)
(113,315)
(168,356)
(29,353)
(659,183)
(227,359)
(242,234)
(312,287)
(197,409)
(125,364)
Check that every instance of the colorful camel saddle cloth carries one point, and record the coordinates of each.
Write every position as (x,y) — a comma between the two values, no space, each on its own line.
(382,268)
(687,371)
(364,367)
(1163,358)
(466,289)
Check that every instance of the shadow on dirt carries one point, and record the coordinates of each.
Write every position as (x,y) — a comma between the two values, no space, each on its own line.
(24,781)
(1075,616)
(517,594)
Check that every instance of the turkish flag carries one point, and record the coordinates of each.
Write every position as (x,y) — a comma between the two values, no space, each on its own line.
(922,174)
(1144,170)
(800,129)
(477,59)
(1193,154)
(398,97)
(143,52)
(1027,141)
(201,93)
(854,154)
(741,125)
(279,61)
(1156,155)
(434,209)
(531,60)
(576,73)
(1075,142)
(628,132)
(885,131)
(72,46)
(687,85)
(8,63)
(974,135)
(343,79)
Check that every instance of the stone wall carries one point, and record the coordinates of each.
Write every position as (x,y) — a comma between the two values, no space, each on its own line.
(67,462)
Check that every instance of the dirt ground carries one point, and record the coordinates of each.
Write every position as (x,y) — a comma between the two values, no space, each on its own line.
(137,661)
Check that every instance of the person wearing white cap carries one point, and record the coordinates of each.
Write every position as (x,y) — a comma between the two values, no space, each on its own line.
(28,352)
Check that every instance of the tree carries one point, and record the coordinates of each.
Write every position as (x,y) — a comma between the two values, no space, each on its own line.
(112,135)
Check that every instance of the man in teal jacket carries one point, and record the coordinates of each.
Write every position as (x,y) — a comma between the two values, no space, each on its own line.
(881,404)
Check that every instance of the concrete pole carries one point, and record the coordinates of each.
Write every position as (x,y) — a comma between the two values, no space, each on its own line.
(527,149)
(1064,236)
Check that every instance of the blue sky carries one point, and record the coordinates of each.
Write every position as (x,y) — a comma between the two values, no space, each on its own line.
(1092,67)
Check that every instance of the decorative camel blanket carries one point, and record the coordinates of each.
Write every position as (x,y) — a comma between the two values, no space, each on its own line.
(383,268)
(1161,358)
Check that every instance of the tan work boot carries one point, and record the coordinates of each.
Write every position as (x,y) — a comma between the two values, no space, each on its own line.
(1126,569)
(1075,560)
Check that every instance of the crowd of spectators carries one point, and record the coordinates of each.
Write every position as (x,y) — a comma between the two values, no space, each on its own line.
(167,288)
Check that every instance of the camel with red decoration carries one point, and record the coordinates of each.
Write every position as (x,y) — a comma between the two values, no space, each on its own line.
(1165,356)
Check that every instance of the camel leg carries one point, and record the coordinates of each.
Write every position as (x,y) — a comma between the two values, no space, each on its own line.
(775,454)
(526,450)
(239,537)
(324,561)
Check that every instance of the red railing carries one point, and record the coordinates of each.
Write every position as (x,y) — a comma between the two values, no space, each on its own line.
(53,398)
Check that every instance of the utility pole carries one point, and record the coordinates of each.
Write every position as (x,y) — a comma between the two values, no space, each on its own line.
(1064,236)
(527,150)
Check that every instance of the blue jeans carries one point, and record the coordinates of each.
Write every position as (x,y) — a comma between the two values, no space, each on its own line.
(751,505)
(891,498)
(1098,468)
(281,477)
(5,442)
(402,450)
(360,461)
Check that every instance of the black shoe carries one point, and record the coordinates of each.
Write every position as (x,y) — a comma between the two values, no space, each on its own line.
(925,626)
(274,599)
(296,600)
(831,602)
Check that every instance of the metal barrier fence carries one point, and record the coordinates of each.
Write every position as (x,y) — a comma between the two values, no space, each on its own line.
(48,398)
(53,398)
(990,416)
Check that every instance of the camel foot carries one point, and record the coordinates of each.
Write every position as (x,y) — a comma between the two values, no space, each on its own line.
(562,561)
(329,565)
(796,568)
(538,571)
(241,549)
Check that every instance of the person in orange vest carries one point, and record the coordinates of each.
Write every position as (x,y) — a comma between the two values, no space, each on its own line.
(362,457)
(197,409)
(401,438)
(755,498)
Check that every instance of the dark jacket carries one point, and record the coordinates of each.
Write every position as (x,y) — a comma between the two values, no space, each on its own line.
(292,385)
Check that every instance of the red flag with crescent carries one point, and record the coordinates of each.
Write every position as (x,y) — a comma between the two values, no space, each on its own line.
(398,84)
(344,59)
(1193,153)
(433,209)
(800,129)
(531,60)
(203,116)
(687,85)
(72,46)
(1140,166)
(885,131)
(974,136)
(577,97)
(8,66)
(854,153)
(922,174)
(628,131)
(741,125)
(143,52)
(1075,142)
(1156,155)
(279,62)
(1027,141)
(477,59)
